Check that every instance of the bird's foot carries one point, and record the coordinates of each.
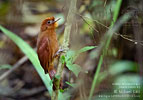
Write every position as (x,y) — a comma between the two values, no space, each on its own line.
(59,52)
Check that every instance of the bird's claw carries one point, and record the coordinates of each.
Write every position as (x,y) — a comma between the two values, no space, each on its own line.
(59,52)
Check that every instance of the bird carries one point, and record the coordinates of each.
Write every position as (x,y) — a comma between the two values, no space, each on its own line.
(47,45)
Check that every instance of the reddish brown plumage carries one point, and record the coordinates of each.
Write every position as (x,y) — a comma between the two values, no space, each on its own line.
(47,45)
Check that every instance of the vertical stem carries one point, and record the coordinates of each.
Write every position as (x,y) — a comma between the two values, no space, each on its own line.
(115,16)
(95,77)
(67,31)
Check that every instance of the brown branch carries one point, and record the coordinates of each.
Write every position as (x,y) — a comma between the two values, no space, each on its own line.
(15,66)
(68,26)
(122,36)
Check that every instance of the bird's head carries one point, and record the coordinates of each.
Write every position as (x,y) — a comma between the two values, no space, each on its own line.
(49,24)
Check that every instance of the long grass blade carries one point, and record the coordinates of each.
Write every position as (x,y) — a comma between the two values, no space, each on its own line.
(31,54)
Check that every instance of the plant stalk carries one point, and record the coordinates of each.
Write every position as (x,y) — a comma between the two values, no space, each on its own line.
(67,32)
(115,16)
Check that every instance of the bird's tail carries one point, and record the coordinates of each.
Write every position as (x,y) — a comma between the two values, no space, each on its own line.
(51,72)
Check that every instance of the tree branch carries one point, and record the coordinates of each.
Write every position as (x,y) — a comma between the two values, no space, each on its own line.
(15,66)
(68,26)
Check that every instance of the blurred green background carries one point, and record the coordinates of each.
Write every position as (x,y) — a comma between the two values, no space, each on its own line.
(121,71)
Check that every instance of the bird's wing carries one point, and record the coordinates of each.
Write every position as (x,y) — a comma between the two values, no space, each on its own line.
(44,53)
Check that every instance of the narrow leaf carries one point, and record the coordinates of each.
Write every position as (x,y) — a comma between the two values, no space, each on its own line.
(71,84)
(5,66)
(122,66)
(64,96)
(31,54)
(84,49)
(69,55)
(62,59)
(74,68)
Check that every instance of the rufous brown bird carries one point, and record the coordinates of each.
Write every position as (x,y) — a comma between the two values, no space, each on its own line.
(47,45)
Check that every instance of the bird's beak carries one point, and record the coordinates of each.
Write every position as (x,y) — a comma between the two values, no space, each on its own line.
(56,20)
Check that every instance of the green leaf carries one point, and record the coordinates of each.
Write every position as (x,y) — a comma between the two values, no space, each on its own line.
(57,77)
(84,49)
(31,54)
(61,90)
(64,96)
(6,66)
(74,68)
(71,84)
(69,56)
(122,66)
(72,55)
(62,59)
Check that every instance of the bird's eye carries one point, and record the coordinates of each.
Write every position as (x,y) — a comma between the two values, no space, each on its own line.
(49,22)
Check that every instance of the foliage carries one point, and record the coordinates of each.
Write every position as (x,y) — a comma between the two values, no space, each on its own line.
(31,54)
(121,80)
(6,66)
(108,36)
(122,66)
(91,15)
(71,57)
